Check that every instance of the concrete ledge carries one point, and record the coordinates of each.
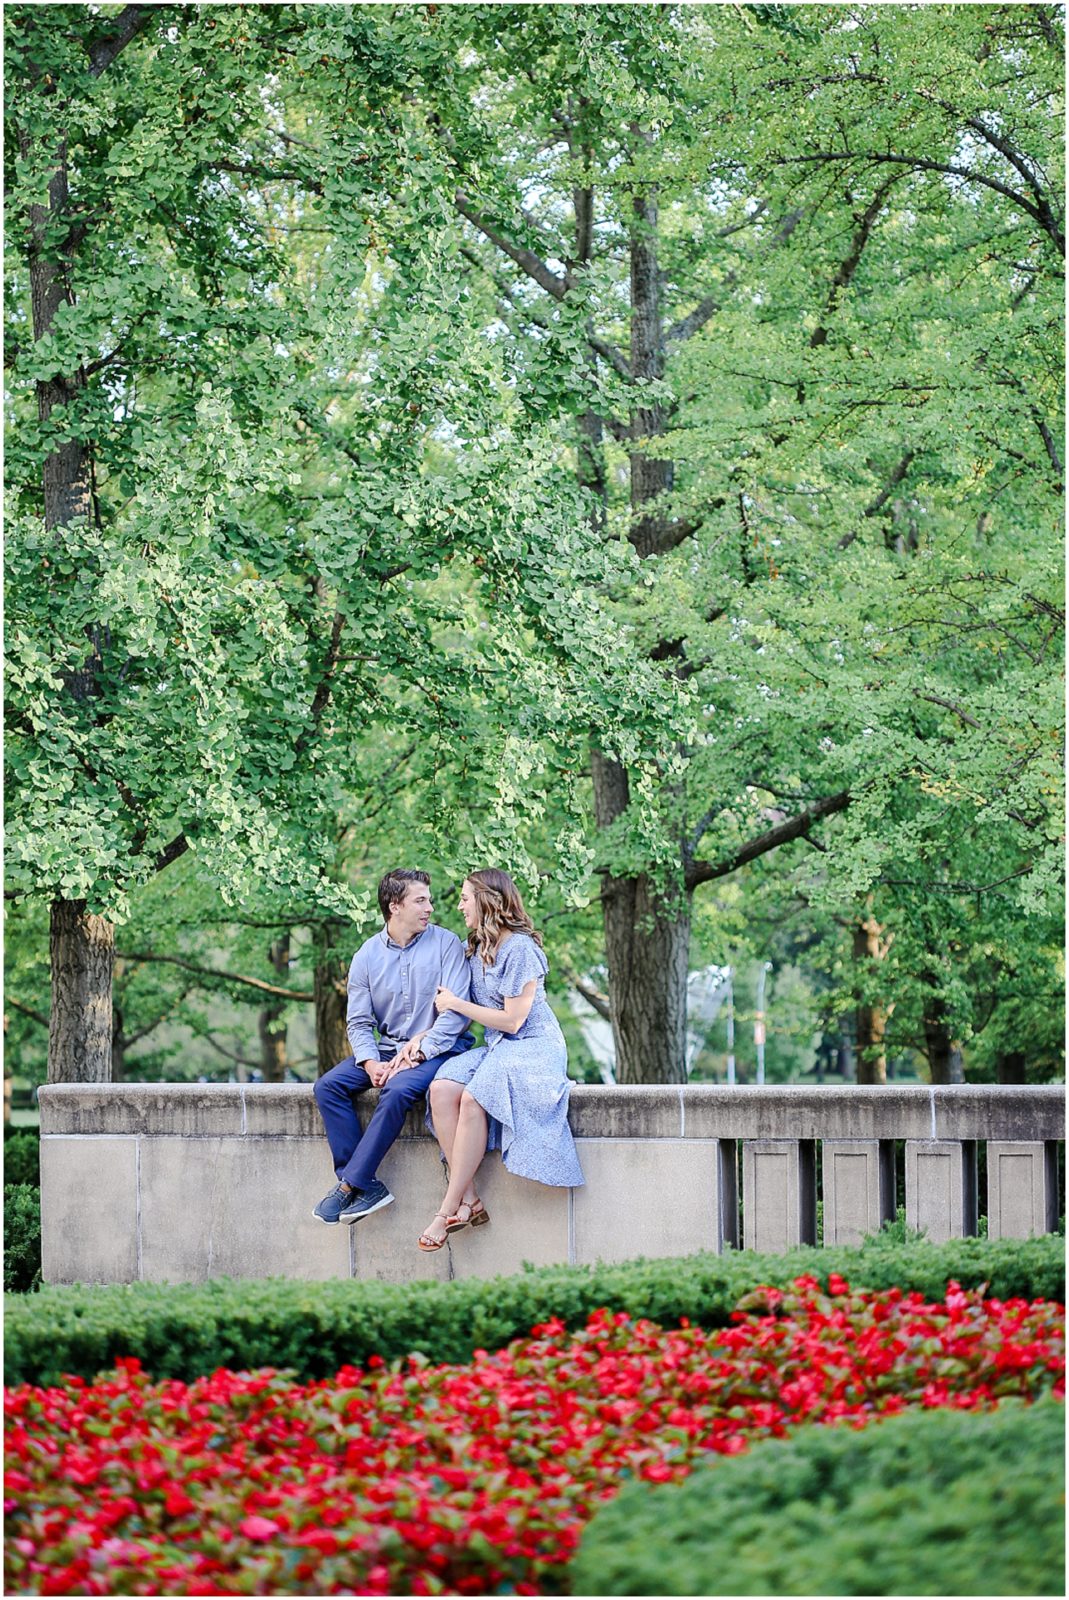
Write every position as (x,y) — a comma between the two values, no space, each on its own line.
(169,1169)
(1014,1114)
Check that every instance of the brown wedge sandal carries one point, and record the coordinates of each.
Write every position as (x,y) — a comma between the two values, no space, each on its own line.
(425,1241)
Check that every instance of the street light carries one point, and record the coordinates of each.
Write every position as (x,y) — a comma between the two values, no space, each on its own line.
(759,1021)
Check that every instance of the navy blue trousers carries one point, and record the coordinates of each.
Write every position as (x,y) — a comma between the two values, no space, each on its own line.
(357,1155)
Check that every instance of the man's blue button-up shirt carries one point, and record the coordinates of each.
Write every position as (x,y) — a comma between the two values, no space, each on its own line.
(391,992)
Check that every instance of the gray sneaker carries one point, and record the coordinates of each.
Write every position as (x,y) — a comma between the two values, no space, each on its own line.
(362,1202)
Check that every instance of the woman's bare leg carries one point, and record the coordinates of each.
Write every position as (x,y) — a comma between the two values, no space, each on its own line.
(469,1147)
(445,1114)
(445,1110)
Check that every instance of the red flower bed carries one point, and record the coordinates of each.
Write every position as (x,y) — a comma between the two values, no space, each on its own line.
(472,1479)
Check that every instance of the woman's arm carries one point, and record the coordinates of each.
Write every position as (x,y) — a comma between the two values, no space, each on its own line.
(510,1020)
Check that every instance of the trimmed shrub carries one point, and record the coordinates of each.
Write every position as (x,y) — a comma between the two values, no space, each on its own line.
(923,1503)
(315,1328)
(22,1156)
(22,1237)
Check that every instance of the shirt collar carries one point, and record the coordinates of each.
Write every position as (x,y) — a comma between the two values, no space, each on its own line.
(391,944)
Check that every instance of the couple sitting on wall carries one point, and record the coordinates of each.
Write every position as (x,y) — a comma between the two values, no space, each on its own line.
(417,987)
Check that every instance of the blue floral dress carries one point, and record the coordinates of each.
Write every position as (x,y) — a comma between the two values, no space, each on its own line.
(521,1079)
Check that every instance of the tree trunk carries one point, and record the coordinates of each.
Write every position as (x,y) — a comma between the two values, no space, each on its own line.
(871,1017)
(844,1059)
(331,970)
(651,476)
(647,935)
(79,1035)
(1012,1067)
(118,1044)
(945,1061)
(273,1060)
(82,948)
(647,945)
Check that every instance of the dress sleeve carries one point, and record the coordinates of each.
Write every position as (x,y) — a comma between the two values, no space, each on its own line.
(521,961)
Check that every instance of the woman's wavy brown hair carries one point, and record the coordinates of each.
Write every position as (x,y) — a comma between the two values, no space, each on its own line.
(500,911)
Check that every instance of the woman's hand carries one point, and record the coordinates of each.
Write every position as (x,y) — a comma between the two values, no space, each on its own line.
(445,1000)
(406,1056)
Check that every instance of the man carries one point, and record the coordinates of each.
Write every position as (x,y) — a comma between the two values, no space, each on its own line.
(392,983)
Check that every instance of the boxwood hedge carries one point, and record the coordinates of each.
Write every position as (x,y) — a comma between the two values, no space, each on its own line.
(313,1328)
(22,1236)
(22,1156)
(940,1503)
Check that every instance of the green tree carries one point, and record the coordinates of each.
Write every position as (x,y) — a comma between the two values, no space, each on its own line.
(249,467)
(804,311)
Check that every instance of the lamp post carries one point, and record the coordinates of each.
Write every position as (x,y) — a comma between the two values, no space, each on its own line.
(759,1021)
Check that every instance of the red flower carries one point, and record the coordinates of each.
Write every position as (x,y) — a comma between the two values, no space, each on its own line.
(258,1528)
(467,1479)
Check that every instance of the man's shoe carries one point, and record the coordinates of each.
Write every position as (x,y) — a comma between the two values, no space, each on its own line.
(362,1202)
(331,1206)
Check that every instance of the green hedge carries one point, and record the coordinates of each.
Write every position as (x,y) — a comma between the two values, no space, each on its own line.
(313,1328)
(938,1502)
(22,1237)
(22,1156)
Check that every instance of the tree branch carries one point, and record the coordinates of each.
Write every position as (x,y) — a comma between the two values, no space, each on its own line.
(128,24)
(593,997)
(262,174)
(322,694)
(212,972)
(1050,447)
(882,498)
(782,833)
(176,848)
(242,1061)
(1040,213)
(135,1038)
(27,1011)
(525,259)
(937,700)
(608,352)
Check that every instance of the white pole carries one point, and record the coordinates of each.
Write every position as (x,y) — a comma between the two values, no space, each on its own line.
(759,1021)
(731,1027)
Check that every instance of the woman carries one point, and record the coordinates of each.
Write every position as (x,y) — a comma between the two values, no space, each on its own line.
(512,1093)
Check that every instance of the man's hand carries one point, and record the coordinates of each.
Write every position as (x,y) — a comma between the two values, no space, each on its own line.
(378,1072)
(406,1056)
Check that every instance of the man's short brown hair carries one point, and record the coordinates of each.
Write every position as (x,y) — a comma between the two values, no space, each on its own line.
(394,887)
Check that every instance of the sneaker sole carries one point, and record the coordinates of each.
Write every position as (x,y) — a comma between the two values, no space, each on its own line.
(358,1216)
(330,1222)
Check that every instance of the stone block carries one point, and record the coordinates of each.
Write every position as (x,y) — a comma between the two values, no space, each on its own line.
(999,1111)
(626,1111)
(1022,1189)
(237,1208)
(89,1210)
(280,1111)
(779,1194)
(859,1188)
(384,1244)
(179,1110)
(647,1197)
(530,1222)
(941,1188)
(796,1111)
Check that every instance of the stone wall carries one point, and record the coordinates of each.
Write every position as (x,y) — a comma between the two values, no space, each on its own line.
(182,1182)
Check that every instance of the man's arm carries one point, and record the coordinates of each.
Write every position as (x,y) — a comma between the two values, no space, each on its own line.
(456,975)
(359,1014)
